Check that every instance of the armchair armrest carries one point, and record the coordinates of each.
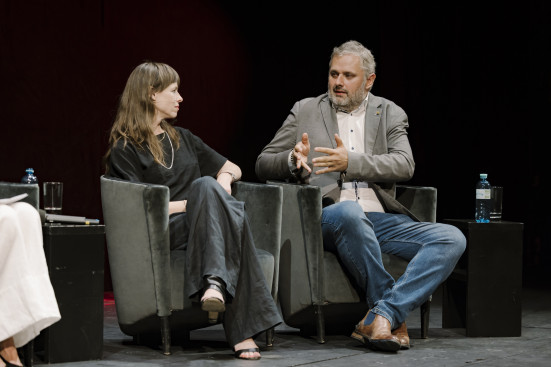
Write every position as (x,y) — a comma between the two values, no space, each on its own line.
(138,244)
(263,205)
(301,246)
(420,200)
(9,189)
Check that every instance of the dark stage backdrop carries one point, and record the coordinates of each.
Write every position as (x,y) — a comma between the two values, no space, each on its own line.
(474,79)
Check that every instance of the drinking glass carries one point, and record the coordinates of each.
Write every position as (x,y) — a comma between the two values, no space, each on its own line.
(53,197)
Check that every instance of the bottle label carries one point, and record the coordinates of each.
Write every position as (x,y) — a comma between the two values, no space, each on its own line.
(483,194)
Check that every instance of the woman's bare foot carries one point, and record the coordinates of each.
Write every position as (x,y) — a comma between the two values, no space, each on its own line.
(13,361)
(9,353)
(212,293)
(247,349)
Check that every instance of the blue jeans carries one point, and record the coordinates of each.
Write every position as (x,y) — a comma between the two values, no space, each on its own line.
(359,238)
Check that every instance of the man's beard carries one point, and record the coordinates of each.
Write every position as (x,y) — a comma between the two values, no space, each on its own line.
(348,102)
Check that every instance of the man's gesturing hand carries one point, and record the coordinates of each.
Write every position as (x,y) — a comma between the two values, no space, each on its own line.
(335,160)
(301,151)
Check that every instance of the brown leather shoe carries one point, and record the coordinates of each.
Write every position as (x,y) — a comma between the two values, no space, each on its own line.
(357,336)
(377,335)
(401,332)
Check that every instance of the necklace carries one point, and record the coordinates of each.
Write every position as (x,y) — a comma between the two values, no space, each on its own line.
(171,148)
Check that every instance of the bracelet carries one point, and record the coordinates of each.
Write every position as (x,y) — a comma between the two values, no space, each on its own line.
(293,164)
(293,158)
(233,177)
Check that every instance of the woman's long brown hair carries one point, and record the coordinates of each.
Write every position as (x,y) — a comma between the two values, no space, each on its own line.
(136,110)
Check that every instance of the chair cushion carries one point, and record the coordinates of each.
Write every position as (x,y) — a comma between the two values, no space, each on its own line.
(338,288)
(266,260)
(394,265)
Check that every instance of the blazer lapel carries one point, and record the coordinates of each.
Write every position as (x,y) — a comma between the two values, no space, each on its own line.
(372,121)
(330,120)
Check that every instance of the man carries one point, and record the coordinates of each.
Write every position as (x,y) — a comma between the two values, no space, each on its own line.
(360,149)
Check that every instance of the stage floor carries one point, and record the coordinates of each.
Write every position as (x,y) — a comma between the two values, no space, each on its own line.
(444,347)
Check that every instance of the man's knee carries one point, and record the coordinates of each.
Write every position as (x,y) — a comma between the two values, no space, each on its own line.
(455,238)
(343,212)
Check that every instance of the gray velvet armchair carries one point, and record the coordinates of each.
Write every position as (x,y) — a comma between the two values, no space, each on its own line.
(315,294)
(148,279)
(9,189)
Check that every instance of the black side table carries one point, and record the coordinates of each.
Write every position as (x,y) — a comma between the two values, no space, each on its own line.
(75,257)
(483,294)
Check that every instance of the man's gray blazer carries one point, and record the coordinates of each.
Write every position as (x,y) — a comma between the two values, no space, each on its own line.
(387,158)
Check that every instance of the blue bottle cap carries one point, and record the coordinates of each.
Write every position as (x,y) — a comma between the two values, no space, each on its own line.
(483,175)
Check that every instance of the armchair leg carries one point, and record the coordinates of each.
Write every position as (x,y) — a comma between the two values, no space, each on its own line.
(320,324)
(28,353)
(165,335)
(425,316)
(270,337)
(187,336)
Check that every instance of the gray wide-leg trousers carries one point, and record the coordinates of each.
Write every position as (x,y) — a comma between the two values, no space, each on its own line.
(216,235)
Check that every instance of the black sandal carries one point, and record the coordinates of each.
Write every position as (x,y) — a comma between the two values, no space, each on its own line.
(8,364)
(214,305)
(237,353)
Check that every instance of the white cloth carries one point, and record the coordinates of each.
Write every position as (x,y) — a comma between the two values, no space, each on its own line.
(27,300)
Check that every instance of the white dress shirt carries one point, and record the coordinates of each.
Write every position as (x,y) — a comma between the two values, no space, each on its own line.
(351,132)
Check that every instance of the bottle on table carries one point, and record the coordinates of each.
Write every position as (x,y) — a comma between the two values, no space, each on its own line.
(483,200)
(29,177)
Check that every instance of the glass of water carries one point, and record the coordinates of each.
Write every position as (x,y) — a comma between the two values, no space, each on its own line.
(497,203)
(53,197)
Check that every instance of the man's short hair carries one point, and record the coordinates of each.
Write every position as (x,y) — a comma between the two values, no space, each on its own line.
(356,48)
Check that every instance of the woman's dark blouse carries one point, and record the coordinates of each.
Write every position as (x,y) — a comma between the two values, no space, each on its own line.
(192,160)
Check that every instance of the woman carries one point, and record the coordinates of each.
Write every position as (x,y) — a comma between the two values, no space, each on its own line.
(28,303)
(205,219)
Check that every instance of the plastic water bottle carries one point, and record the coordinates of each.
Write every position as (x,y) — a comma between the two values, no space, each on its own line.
(483,200)
(29,178)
